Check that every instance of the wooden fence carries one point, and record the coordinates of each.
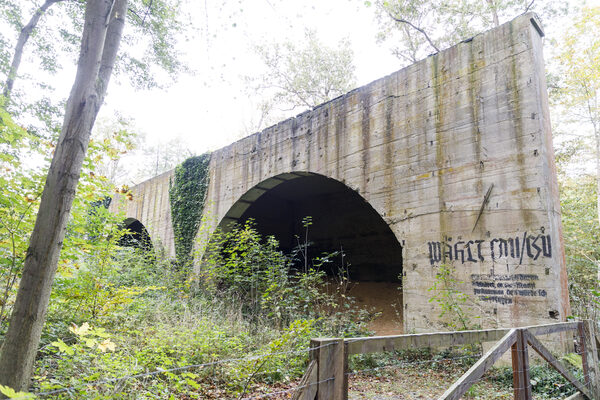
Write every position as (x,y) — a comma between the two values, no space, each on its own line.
(326,377)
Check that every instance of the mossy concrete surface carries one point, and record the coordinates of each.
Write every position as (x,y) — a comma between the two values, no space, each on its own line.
(454,154)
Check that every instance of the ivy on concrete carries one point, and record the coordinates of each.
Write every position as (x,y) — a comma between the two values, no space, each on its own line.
(187,193)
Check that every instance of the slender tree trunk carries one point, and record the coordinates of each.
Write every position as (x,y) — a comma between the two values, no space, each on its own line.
(104,21)
(597,139)
(494,12)
(21,41)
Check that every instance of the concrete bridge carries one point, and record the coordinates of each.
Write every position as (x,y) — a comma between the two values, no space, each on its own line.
(448,161)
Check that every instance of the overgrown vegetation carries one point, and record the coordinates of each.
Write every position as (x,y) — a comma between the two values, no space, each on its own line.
(456,310)
(121,311)
(187,194)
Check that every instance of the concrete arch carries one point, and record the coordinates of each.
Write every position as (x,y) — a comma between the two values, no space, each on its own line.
(342,220)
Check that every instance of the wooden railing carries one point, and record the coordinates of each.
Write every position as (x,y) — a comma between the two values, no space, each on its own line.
(326,377)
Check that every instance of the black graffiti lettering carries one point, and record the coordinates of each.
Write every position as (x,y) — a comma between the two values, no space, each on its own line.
(542,293)
(458,251)
(525,277)
(479,255)
(496,299)
(547,246)
(492,248)
(484,284)
(447,251)
(503,248)
(530,285)
(531,243)
(522,248)
(488,291)
(515,248)
(435,252)
(469,252)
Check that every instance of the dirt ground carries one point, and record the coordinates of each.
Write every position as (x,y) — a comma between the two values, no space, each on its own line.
(382,298)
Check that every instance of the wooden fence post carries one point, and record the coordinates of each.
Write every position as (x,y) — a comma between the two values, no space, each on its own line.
(520,364)
(589,357)
(332,365)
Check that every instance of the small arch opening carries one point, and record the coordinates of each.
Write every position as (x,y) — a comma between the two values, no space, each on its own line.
(137,235)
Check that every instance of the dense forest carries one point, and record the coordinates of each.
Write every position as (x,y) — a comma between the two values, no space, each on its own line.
(122,319)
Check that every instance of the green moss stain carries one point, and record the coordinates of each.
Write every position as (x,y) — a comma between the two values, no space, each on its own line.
(478,163)
(365,131)
(388,159)
(187,194)
(517,127)
(439,146)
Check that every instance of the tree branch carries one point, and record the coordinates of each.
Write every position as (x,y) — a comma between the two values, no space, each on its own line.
(529,6)
(21,41)
(403,21)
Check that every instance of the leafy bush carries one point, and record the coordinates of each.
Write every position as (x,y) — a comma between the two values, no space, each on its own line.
(241,265)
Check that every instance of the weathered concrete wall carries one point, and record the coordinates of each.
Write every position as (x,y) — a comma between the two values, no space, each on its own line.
(150,206)
(423,147)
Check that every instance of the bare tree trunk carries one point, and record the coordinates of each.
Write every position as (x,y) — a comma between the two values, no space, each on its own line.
(21,41)
(104,21)
(597,143)
(597,140)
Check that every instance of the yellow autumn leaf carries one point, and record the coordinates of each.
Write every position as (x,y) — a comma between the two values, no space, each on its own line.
(106,345)
(80,331)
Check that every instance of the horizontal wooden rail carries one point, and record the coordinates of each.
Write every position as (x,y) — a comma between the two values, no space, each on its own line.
(378,344)
(537,330)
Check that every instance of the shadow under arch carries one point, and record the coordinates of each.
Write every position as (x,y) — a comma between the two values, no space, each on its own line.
(342,220)
(137,236)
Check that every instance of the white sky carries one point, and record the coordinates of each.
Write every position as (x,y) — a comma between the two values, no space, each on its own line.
(210,110)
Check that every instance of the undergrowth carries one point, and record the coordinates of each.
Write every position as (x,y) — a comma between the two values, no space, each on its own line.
(137,331)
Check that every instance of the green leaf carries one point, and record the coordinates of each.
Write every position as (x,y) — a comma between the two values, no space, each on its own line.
(63,347)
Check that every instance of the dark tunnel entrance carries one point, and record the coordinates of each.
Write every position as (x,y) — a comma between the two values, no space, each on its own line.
(341,220)
(137,235)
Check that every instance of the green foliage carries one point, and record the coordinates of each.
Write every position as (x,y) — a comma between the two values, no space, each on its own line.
(187,195)
(239,264)
(546,382)
(20,190)
(452,302)
(12,394)
(582,244)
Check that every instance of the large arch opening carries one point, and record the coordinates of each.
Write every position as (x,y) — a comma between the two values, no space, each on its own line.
(137,235)
(341,221)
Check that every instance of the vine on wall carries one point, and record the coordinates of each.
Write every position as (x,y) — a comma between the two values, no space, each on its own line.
(187,194)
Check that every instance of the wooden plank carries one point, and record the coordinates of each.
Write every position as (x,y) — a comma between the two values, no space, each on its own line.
(584,353)
(576,396)
(330,357)
(546,355)
(520,364)
(591,358)
(537,330)
(377,344)
(307,388)
(480,367)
